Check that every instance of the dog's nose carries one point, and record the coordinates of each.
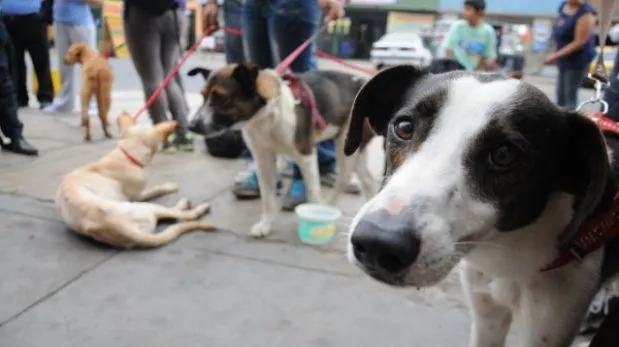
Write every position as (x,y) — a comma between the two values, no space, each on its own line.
(385,243)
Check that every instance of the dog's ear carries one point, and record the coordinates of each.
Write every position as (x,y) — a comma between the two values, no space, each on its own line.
(199,70)
(246,74)
(378,100)
(587,174)
(124,121)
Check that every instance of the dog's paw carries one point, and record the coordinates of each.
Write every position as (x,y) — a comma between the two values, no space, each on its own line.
(87,138)
(199,210)
(170,187)
(183,204)
(260,229)
(108,135)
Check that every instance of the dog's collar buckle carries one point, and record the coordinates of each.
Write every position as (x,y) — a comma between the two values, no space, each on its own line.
(592,236)
(132,159)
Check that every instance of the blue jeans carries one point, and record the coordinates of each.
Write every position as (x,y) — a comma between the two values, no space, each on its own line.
(233,44)
(568,83)
(275,28)
(611,94)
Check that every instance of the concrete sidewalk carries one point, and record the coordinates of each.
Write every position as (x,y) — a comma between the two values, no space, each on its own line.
(207,289)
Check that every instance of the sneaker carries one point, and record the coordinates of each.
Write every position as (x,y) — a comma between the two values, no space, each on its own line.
(169,146)
(44,104)
(55,108)
(598,310)
(328,180)
(246,184)
(184,142)
(295,195)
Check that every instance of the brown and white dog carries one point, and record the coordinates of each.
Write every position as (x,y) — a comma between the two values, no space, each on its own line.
(97,80)
(262,104)
(487,173)
(105,200)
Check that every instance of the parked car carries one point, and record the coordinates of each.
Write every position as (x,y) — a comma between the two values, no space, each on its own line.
(609,60)
(399,48)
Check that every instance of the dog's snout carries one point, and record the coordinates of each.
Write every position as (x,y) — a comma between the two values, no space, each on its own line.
(385,243)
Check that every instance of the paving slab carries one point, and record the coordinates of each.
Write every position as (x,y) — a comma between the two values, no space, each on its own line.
(38,258)
(186,297)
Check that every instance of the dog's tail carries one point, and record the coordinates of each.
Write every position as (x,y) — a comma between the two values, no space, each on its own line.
(199,70)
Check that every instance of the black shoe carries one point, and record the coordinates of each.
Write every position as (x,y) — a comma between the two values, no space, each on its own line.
(44,104)
(20,146)
(23,103)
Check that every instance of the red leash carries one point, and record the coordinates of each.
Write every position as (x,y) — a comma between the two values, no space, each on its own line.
(319,53)
(208,32)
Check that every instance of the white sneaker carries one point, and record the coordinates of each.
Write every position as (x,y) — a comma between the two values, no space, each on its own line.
(55,108)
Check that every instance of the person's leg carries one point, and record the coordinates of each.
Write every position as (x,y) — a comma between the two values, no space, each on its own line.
(573,80)
(37,47)
(10,125)
(65,100)
(560,87)
(143,42)
(233,44)
(292,23)
(19,38)
(170,24)
(611,93)
(257,43)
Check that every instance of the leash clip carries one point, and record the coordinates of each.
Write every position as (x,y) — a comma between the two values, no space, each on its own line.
(598,97)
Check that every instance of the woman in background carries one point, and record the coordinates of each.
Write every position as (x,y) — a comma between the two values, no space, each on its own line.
(153,35)
(575,49)
(73,22)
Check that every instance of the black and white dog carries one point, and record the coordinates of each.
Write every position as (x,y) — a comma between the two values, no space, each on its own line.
(262,105)
(487,173)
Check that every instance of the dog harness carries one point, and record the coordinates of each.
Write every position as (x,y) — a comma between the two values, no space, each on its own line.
(595,233)
(304,94)
(132,159)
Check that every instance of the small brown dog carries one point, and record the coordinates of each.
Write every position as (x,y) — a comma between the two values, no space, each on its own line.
(97,79)
(104,200)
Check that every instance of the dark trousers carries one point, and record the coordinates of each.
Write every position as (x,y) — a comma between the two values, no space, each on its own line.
(29,34)
(611,93)
(10,125)
(568,84)
(273,29)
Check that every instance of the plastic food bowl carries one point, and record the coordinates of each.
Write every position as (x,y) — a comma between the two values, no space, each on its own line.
(317,223)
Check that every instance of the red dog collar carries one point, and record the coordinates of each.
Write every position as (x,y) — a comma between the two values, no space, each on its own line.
(135,161)
(595,233)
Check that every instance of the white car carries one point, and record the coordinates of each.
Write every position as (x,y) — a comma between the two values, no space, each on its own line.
(400,48)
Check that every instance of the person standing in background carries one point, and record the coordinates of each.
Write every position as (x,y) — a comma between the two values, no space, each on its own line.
(575,49)
(73,22)
(153,34)
(28,33)
(471,41)
(10,126)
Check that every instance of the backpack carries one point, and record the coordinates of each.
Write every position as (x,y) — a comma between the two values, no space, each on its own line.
(154,7)
(228,144)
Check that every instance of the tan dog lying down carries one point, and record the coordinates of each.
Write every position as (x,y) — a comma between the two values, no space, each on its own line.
(104,199)
(97,79)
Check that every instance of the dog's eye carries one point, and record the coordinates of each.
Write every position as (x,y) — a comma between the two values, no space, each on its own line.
(504,156)
(403,129)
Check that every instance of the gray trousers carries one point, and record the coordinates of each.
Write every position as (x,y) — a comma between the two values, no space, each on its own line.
(154,46)
(64,36)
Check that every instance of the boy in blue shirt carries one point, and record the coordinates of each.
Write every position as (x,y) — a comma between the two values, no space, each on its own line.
(471,41)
